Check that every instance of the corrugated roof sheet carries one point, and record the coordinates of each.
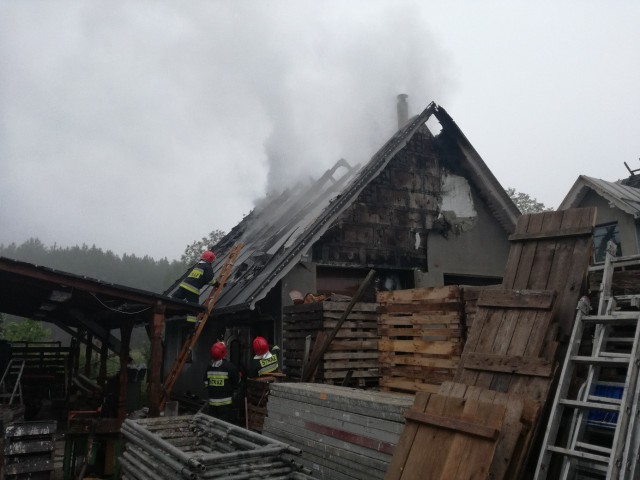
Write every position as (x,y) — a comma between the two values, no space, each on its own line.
(622,196)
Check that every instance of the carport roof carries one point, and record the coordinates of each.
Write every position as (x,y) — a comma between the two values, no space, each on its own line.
(69,300)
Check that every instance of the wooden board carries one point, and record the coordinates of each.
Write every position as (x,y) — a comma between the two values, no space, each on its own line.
(453,436)
(552,257)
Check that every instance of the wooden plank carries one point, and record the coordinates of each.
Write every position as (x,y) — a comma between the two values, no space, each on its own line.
(432,318)
(563,233)
(415,346)
(542,299)
(515,253)
(527,256)
(419,294)
(387,358)
(453,424)
(422,307)
(534,366)
(408,386)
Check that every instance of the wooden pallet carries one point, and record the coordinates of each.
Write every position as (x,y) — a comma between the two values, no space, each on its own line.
(420,338)
(355,348)
(466,433)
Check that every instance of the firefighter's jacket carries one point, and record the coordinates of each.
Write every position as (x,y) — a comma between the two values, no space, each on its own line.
(221,379)
(198,277)
(264,365)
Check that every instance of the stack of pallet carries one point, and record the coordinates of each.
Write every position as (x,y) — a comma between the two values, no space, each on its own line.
(420,338)
(344,433)
(355,348)
(28,450)
(483,424)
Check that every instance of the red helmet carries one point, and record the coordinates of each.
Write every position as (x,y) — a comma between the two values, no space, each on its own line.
(218,351)
(260,346)
(208,256)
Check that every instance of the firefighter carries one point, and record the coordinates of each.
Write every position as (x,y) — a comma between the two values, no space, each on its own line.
(221,379)
(199,276)
(264,362)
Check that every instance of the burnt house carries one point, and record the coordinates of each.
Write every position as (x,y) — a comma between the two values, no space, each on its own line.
(424,211)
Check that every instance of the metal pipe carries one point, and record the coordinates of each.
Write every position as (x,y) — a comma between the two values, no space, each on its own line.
(183,457)
(243,468)
(254,436)
(132,470)
(149,472)
(157,453)
(250,475)
(245,454)
(149,459)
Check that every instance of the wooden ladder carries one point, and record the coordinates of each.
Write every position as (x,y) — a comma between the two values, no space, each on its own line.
(201,320)
(602,440)
(12,380)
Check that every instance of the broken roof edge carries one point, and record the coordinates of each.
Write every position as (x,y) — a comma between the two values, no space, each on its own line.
(584,183)
(362,178)
(486,182)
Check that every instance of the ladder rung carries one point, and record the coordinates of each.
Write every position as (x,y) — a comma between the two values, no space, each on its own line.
(616,355)
(614,401)
(578,454)
(609,407)
(595,448)
(618,262)
(618,318)
(600,360)
(620,340)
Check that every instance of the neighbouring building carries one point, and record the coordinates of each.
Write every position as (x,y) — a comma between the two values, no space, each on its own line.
(424,211)
(618,213)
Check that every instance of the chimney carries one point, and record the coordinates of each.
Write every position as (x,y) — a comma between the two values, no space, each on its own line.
(403,110)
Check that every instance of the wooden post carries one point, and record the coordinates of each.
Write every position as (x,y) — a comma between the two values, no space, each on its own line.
(155,380)
(125,339)
(104,352)
(317,355)
(87,355)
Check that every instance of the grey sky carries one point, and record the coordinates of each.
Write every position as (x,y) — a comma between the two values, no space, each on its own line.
(143,125)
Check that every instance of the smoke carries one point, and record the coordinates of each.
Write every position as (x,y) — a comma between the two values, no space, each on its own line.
(336,95)
(141,126)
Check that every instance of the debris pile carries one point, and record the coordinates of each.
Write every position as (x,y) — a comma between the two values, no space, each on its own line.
(199,446)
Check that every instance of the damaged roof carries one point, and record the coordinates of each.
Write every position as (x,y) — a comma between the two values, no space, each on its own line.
(619,195)
(280,231)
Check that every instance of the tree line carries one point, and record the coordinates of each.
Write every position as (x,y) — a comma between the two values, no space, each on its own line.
(129,270)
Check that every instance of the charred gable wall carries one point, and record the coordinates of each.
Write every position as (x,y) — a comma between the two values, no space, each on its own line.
(387,225)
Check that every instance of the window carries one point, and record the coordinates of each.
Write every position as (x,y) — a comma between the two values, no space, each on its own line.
(602,234)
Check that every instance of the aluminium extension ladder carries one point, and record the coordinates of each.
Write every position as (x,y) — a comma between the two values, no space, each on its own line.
(603,439)
(201,320)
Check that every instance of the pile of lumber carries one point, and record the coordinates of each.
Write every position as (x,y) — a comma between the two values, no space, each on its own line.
(420,338)
(484,423)
(344,433)
(352,354)
(200,446)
